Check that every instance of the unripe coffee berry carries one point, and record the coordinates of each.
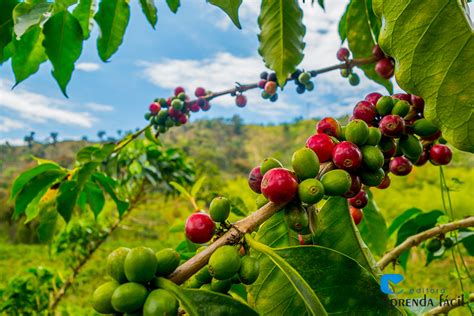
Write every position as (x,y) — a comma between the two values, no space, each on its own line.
(270,87)
(354,79)
(357,132)
(305,163)
(219,209)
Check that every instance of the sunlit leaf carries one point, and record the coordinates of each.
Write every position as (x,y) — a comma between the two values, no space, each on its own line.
(84,13)
(231,8)
(149,9)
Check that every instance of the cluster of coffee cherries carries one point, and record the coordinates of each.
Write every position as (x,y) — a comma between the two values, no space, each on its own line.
(133,288)
(268,83)
(343,54)
(435,244)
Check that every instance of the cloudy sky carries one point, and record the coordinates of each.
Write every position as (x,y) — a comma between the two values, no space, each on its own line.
(196,47)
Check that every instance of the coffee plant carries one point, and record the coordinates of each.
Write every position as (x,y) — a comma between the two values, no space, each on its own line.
(308,248)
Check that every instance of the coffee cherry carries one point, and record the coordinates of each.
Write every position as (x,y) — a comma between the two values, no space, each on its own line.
(354,79)
(375,135)
(140,265)
(219,209)
(300,89)
(249,270)
(270,87)
(194,107)
(345,73)
(255,179)
(183,119)
(377,52)
(309,86)
(200,92)
(203,275)
(279,185)
(264,75)
(178,90)
(274,97)
(411,147)
(322,145)
(392,125)
(297,219)
(269,163)
(401,108)
(388,146)
(115,264)
(372,178)
(433,245)
(440,154)
(347,156)
(329,126)
(101,299)
(343,54)
(357,132)
(365,111)
(199,228)
(272,77)
(160,302)
(305,163)
(423,158)
(373,97)
(129,297)
(221,286)
(384,68)
(224,262)
(433,137)
(177,104)
(402,96)
(310,191)
(385,183)
(384,105)
(356,185)
(241,100)
(154,108)
(400,166)
(168,260)
(262,83)
(448,242)
(424,128)
(304,77)
(360,200)
(336,182)
(417,102)
(372,157)
(356,214)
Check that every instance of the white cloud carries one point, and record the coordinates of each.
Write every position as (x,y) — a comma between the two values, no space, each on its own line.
(88,67)
(8,124)
(12,141)
(97,107)
(34,107)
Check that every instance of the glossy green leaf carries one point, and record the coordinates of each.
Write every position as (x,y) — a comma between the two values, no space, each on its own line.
(402,218)
(197,186)
(421,222)
(151,137)
(231,8)
(85,154)
(6,24)
(34,207)
(466,238)
(200,302)
(84,13)
(85,171)
(276,233)
(342,27)
(433,52)
(29,54)
(63,44)
(181,189)
(26,177)
(373,228)
(281,36)
(27,14)
(112,18)
(47,226)
(33,187)
(173,5)
(66,200)
(95,197)
(149,9)
(109,185)
(359,16)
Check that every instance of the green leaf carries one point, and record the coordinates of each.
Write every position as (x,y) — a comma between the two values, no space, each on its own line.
(373,228)
(27,14)
(321,4)
(467,239)
(361,40)
(414,226)
(276,233)
(231,8)
(29,174)
(402,218)
(47,226)
(95,153)
(112,18)
(33,187)
(181,189)
(281,36)
(197,186)
(109,185)
(6,24)
(149,9)
(85,154)
(85,171)
(84,13)
(29,54)
(67,196)
(173,5)
(200,302)
(150,137)
(342,28)
(63,44)
(95,197)
(432,52)
(335,218)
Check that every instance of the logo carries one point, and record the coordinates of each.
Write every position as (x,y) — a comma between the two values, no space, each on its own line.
(385,280)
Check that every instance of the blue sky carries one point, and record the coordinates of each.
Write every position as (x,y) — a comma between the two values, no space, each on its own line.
(196,47)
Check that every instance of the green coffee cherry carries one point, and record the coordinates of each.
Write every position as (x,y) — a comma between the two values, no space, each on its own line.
(304,77)
(224,262)
(424,128)
(193,283)
(177,104)
(168,260)
(101,300)
(305,163)
(354,79)
(411,147)
(249,270)
(129,297)
(140,265)
(357,132)
(206,287)
(309,86)
(219,209)
(203,275)
(433,245)
(372,178)
(401,108)
(221,286)
(310,191)
(297,218)
(115,264)
(375,135)
(344,73)
(160,302)
(261,200)
(336,182)
(268,164)
(384,105)
(448,243)
(343,133)
(372,157)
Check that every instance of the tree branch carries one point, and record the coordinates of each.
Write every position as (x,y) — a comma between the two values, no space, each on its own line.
(415,240)
(444,309)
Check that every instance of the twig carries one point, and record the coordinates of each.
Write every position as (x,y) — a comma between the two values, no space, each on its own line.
(444,309)
(415,240)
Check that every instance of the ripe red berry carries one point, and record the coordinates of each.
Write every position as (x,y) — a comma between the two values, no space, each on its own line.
(255,180)
(402,96)
(261,83)
(356,214)
(385,183)
(241,100)
(194,107)
(377,52)
(347,156)
(384,68)
(329,126)
(423,158)
(279,185)
(440,154)
(178,90)
(392,125)
(342,54)
(173,113)
(270,87)
(365,111)
(322,145)
(200,92)
(301,239)
(360,200)
(373,97)
(206,107)
(199,228)
(183,119)
(400,166)
(388,146)
(154,108)
(356,185)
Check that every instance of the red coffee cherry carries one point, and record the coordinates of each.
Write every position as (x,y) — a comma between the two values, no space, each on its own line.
(329,126)
(373,97)
(154,108)
(200,92)
(365,111)
(417,102)
(178,90)
(384,68)
(377,52)
(423,158)
(255,180)
(322,145)
(343,54)
(347,156)
(356,214)
(199,228)
(385,183)
(440,155)
(402,96)
(392,125)
(356,185)
(360,200)
(400,166)
(241,100)
(279,185)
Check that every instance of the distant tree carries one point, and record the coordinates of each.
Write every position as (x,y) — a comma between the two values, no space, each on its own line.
(84,138)
(237,123)
(54,137)
(101,135)
(30,139)
(119,132)
(111,139)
